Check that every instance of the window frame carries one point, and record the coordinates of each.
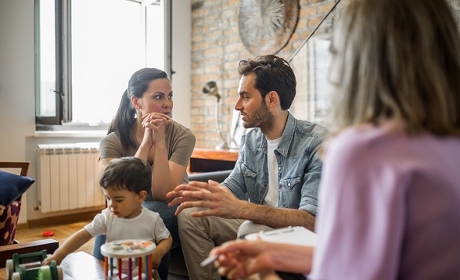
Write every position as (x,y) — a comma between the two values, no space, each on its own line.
(62,120)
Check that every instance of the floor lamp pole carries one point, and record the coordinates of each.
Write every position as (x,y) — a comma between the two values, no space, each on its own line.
(222,145)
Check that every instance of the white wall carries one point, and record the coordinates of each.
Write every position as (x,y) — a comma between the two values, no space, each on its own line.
(17,113)
(17,97)
(181,60)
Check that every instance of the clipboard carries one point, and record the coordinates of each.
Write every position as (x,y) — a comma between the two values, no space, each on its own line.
(290,235)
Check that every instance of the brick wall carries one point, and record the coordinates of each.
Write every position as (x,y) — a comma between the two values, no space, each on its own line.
(216,51)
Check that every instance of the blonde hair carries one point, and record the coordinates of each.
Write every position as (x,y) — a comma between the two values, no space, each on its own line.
(397,60)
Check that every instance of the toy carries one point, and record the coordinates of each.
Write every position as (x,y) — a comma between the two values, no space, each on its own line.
(28,267)
(127,259)
(48,233)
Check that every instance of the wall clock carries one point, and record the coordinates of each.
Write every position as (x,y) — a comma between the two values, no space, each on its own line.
(266,25)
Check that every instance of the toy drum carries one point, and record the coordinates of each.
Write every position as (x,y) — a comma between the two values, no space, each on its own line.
(128,259)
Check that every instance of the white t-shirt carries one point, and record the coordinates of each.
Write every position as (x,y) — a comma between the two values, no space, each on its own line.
(272,196)
(146,226)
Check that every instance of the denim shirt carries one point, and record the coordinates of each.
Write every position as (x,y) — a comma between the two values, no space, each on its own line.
(299,166)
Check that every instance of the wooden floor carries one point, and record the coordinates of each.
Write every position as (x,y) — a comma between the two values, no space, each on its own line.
(61,233)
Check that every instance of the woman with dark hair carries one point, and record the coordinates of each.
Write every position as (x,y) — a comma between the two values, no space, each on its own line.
(143,121)
(390,185)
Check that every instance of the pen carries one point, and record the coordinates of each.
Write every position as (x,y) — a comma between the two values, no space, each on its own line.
(209,260)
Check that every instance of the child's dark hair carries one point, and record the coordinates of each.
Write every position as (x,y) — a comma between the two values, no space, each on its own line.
(128,173)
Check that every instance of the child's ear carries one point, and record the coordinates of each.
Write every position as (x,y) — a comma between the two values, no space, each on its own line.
(142,196)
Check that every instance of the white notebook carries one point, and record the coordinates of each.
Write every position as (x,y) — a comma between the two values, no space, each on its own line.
(290,235)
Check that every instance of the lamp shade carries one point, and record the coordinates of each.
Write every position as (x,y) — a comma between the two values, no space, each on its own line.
(211,89)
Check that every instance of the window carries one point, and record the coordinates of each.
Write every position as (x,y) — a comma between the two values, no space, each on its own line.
(86,53)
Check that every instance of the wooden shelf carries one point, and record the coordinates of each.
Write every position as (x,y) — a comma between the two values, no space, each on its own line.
(207,160)
(227,155)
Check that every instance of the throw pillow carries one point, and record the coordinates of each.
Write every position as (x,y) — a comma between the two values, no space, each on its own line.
(12,186)
(9,216)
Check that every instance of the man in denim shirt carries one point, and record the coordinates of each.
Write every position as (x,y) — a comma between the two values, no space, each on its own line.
(275,181)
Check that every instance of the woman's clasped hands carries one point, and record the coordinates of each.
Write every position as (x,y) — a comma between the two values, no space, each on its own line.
(156,123)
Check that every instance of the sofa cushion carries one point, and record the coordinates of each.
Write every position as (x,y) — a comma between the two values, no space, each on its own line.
(9,216)
(218,176)
(12,186)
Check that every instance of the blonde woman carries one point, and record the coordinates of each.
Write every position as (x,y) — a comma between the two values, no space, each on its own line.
(390,188)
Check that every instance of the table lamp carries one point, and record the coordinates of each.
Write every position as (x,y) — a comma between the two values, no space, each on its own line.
(210,88)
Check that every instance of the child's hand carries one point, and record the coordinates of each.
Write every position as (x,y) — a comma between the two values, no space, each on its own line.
(156,260)
(51,258)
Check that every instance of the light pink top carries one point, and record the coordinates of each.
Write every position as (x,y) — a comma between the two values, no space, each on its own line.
(389,207)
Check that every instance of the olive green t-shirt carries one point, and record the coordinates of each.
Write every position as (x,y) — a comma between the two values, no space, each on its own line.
(180,142)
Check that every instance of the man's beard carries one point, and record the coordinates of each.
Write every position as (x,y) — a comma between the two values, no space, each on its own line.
(261,118)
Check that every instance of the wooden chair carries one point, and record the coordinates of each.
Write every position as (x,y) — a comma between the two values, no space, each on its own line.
(9,222)
(23,165)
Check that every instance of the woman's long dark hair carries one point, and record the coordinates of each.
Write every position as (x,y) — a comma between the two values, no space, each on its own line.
(125,117)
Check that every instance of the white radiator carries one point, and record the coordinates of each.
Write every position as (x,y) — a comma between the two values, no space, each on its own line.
(68,176)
